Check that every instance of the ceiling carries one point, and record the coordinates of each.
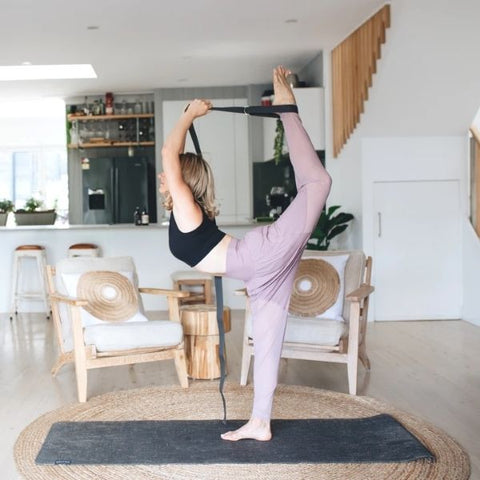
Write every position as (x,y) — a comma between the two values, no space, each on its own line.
(137,46)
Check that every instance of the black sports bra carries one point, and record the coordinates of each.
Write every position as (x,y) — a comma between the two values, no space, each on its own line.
(192,247)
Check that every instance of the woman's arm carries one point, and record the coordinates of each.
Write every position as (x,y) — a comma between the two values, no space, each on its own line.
(187,213)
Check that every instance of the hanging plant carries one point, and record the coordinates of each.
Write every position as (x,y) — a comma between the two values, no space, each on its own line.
(278,142)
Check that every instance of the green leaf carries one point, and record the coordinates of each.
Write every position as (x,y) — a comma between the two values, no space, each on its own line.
(322,223)
(336,231)
(328,227)
(332,210)
(341,218)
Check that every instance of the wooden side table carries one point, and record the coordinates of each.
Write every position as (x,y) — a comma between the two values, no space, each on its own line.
(202,339)
(199,284)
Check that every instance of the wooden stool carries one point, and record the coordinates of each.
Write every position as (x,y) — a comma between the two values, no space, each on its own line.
(37,253)
(202,340)
(199,284)
(83,250)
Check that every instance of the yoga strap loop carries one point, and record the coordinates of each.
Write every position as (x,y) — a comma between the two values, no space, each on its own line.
(259,111)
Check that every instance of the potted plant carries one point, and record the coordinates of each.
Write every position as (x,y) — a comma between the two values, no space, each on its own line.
(328,227)
(6,206)
(33,213)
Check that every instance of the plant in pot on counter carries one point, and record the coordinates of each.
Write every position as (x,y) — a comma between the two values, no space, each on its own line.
(33,213)
(328,227)
(33,205)
(6,206)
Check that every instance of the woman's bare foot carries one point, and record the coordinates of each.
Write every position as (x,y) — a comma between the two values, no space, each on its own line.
(255,429)
(283,94)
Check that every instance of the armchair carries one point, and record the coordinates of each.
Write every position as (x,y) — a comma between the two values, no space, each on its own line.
(328,312)
(99,318)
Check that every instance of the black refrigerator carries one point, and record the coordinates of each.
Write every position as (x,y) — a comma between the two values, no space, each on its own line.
(113,188)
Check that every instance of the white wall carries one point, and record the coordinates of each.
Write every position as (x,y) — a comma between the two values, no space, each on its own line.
(426,85)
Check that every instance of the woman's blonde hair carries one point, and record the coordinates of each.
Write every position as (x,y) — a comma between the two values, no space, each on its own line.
(197,174)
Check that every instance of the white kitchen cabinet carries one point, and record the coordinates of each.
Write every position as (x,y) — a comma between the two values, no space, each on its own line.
(311,107)
(223,139)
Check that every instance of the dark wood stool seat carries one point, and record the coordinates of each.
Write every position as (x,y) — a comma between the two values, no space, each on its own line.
(29,247)
(83,250)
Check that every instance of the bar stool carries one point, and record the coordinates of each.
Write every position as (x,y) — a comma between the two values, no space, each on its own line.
(83,250)
(37,253)
(198,283)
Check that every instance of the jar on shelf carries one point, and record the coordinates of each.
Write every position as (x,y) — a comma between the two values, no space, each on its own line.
(109,103)
(138,108)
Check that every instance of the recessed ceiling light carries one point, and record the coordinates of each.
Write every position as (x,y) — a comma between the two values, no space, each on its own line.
(93,27)
(46,72)
(291,20)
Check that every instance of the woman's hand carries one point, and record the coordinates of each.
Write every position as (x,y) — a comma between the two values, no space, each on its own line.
(198,107)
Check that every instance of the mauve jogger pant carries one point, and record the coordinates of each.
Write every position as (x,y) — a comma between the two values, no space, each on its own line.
(266,259)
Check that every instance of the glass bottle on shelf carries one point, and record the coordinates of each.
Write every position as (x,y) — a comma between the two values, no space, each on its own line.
(96,108)
(137,216)
(145,217)
(86,110)
(138,108)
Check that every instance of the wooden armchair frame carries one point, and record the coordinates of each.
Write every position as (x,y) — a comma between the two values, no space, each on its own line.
(86,357)
(351,347)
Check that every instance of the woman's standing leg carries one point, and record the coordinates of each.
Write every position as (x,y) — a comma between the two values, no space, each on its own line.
(276,263)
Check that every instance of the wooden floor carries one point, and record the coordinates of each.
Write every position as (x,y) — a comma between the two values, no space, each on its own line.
(429,369)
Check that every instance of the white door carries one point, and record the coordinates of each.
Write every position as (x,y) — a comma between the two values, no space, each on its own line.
(417,250)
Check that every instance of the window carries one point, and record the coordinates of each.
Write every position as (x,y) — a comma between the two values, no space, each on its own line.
(33,154)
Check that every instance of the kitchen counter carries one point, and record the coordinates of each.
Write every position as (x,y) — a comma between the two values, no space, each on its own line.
(148,245)
(120,226)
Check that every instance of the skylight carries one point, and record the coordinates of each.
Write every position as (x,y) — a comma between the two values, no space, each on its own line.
(46,72)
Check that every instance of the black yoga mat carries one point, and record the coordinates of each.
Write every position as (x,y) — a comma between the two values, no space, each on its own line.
(361,440)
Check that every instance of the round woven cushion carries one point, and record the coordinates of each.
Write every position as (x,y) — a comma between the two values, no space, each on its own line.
(110,295)
(315,288)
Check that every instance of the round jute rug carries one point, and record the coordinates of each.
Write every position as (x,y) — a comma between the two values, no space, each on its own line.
(201,402)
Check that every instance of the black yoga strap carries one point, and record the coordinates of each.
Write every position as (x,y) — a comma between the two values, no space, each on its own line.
(221,334)
(259,111)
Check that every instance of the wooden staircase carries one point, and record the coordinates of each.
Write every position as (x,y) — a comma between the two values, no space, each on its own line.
(475,179)
(353,65)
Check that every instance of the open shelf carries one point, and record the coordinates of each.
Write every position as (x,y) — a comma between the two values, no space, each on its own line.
(87,118)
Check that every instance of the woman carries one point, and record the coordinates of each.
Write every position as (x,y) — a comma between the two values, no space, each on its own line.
(265,259)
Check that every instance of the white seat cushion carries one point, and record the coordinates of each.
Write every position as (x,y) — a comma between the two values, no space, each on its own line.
(129,335)
(315,331)
(190,275)
(311,330)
